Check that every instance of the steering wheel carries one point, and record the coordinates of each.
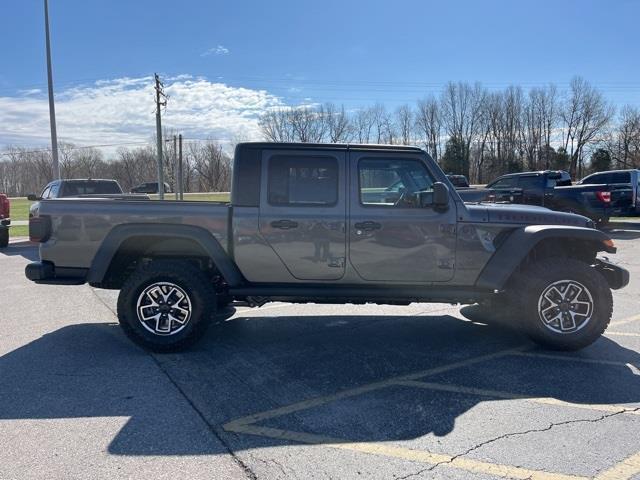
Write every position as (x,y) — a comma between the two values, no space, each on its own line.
(404,195)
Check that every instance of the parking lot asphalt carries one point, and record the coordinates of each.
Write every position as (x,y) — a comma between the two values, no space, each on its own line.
(311,391)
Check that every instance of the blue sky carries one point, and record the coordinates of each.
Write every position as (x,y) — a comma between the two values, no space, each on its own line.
(293,52)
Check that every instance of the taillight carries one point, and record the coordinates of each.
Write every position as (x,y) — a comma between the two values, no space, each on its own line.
(604,197)
(5,207)
(39,229)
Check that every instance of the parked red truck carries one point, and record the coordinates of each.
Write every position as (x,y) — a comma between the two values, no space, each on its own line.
(5,220)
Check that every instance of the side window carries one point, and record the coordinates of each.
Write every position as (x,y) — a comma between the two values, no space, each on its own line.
(53,193)
(508,182)
(45,192)
(391,182)
(620,177)
(595,179)
(303,181)
(528,183)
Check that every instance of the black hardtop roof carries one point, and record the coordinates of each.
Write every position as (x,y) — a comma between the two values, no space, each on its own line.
(329,146)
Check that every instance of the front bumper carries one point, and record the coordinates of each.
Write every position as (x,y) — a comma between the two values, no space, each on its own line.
(617,277)
(48,273)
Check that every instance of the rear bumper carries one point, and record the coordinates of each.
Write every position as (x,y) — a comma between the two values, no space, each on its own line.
(617,277)
(48,273)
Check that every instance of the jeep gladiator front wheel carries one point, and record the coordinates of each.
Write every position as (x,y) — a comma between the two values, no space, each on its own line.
(166,305)
(566,304)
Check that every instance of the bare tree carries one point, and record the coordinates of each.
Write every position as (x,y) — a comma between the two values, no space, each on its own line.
(338,125)
(586,114)
(428,125)
(405,124)
(624,143)
(363,125)
(275,126)
(461,106)
(212,165)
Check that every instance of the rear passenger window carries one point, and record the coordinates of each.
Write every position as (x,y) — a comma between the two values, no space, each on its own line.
(303,181)
(620,177)
(527,183)
(595,179)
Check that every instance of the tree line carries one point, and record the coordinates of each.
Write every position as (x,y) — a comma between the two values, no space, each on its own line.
(206,167)
(472,131)
(467,129)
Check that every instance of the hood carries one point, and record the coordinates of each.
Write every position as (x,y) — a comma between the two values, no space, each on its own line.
(507,213)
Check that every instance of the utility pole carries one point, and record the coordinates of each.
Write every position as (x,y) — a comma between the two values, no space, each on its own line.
(180,181)
(175,164)
(52,108)
(161,101)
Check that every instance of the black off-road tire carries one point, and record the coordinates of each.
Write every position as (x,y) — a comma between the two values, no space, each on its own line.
(162,276)
(546,280)
(4,237)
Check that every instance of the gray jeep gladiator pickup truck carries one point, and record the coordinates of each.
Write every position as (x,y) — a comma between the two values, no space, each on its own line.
(315,223)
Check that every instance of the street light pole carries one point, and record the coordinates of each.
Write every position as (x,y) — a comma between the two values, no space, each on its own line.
(52,108)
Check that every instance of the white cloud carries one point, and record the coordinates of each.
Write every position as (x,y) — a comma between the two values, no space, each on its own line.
(123,110)
(30,91)
(217,50)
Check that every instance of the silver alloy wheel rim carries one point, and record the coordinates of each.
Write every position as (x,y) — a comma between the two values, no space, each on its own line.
(565,306)
(163,308)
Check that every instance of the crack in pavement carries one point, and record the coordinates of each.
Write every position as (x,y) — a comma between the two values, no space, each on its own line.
(247,470)
(514,434)
(237,460)
(269,461)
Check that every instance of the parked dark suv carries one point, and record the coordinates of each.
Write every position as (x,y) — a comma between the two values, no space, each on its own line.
(150,187)
(77,188)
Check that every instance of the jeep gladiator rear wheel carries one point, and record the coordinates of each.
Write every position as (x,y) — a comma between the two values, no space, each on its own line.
(566,304)
(166,305)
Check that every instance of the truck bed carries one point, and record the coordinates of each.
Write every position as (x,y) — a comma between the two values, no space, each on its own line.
(79,225)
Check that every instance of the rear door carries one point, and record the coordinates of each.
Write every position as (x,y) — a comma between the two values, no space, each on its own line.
(532,187)
(303,211)
(392,238)
(505,190)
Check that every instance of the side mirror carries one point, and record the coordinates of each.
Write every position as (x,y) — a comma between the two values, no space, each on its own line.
(33,198)
(438,197)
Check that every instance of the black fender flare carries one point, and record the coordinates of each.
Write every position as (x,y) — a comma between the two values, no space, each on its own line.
(515,248)
(111,243)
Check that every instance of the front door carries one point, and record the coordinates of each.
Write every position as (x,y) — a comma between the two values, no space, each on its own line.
(303,211)
(391,237)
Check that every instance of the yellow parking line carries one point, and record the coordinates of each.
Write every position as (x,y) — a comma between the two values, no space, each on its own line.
(635,318)
(515,396)
(627,468)
(420,456)
(318,401)
(247,425)
(567,358)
